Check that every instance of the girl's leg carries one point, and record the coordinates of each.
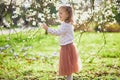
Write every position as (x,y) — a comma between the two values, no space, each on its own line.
(70,77)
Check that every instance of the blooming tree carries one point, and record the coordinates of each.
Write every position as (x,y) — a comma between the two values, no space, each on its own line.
(33,12)
(99,11)
(30,11)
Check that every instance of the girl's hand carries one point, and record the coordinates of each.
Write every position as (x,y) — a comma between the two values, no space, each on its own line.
(45,26)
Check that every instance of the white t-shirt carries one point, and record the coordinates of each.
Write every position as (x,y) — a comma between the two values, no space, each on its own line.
(65,31)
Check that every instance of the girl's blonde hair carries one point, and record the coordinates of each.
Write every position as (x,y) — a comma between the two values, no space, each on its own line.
(69,11)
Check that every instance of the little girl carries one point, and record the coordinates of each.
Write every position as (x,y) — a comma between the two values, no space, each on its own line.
(69,59)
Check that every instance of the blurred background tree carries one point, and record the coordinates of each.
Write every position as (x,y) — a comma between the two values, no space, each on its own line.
(27,12)
(97,15)
(90,15)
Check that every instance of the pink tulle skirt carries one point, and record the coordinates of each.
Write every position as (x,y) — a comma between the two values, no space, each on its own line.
(69,60)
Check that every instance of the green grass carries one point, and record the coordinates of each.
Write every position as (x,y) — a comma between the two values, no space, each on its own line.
(30,56)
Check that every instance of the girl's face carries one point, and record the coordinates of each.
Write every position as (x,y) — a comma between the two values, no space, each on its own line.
(62,14)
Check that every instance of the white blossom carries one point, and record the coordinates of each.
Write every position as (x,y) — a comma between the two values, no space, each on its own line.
(53,15)
(34,13)
(42,19)
(34,23)
(40,15)
(14,16)
(26,4)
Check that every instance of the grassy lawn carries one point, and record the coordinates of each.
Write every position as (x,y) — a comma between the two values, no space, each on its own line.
(32,55)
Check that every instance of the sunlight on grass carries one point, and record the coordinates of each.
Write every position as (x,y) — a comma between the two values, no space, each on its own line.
(36,57)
